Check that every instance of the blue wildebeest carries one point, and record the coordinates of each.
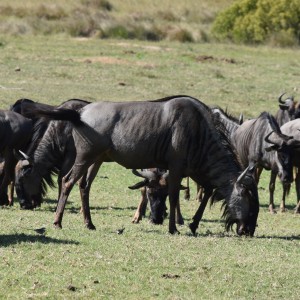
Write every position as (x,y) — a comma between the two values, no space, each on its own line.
(39,127)
(290,128)
(53,154)
(154,188)
(231,124)
(15,133)
(179,134)
(260,141)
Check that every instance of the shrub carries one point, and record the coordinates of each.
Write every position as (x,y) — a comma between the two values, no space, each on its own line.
(259,21)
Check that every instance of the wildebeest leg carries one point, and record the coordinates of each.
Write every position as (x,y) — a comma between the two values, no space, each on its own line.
(68,182)
(258,173)
(179,218)
(140,211)
(285,187)
(199,213)
(85,186)
(187,194)
(199,193)
(271,190)
(173,189)
(297,183)
(8,175)
(11,189)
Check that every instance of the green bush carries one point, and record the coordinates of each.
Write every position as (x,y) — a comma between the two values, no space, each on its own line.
(260,21)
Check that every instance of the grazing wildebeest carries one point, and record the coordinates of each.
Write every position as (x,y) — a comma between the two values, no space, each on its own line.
(10,187)
(261,142)
(15,133)
(231,124)
(39,127)
(178,134)
(53,154)
(290,128)
(154,188)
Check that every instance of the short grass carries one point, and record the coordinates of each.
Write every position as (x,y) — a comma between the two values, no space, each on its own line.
(145,262)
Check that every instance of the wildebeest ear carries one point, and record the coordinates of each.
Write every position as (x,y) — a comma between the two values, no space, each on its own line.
(138,185)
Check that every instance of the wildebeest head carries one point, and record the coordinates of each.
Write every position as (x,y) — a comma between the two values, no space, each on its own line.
(156,184)
(288,110)
(242,207)
(28,183)
(283,146)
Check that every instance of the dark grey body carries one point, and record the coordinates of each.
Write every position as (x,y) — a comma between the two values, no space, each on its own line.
(249,141)
(290,128)
(53,154)
(176,133)
(15,133)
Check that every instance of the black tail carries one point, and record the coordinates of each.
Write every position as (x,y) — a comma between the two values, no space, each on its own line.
(52,113)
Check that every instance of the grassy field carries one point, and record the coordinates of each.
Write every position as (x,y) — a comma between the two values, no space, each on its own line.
(145,262)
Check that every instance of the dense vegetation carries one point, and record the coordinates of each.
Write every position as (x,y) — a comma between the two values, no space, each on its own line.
(260,21)
(184,21)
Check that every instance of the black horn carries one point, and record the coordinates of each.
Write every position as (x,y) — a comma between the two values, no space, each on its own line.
(144,173)
(280,98)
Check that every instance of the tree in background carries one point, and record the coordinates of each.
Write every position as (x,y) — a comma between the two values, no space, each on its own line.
(260,21)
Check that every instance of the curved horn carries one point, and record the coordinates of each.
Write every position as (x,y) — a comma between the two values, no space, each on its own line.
(242,176)
(280,98)
(166,174)
(267,138)
(26,157)
(145,173)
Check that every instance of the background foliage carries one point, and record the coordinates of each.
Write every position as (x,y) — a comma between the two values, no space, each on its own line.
(260,21)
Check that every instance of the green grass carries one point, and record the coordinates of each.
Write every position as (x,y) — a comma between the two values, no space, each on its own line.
(145,262)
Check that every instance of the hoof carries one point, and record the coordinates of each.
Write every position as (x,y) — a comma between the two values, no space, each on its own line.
(90,226)
(180,222)
(193,228)
(173,232)
(57,225)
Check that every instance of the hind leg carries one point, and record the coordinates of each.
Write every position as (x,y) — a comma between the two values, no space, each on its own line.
(68,181)
(85,186)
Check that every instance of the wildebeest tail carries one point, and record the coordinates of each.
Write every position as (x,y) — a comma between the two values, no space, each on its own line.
(52,113)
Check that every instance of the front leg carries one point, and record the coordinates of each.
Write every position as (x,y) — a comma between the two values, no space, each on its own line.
(271,191)
(199,213)
(140,211)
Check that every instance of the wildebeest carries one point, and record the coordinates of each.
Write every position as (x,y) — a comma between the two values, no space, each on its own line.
(15,133)
(288,110)
(260,141)
(178,133)
(291,129)
(154,188)
(39,127)
(54,153)
(231,124)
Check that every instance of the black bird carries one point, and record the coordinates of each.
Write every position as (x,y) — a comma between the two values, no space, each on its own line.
(121,230)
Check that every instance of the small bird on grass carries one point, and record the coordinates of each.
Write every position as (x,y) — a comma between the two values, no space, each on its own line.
(40,231)
(121,230)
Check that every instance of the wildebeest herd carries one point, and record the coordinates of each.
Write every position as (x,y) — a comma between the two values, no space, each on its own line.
(162,141)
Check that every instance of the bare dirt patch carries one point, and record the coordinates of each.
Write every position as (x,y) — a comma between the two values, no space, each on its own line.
(114,61)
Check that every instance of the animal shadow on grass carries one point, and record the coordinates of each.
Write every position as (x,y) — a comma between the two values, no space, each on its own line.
(51,206)
(289,207)
(12,239)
